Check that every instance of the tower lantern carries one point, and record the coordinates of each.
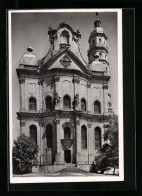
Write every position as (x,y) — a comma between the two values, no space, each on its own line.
(97,44)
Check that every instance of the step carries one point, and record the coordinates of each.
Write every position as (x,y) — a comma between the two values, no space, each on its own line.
(70,165)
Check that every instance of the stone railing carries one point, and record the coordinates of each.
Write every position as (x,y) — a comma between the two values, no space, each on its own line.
(29,67)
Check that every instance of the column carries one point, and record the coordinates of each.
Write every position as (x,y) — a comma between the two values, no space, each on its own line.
(57,122)
(88,96)
(57,93)
(105,101)
(22,93)
(42,137)
(76,81)
(22,124)
(78,141)
(40,94)
(89,144)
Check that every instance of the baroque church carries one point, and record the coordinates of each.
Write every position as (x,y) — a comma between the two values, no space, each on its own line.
(65,102)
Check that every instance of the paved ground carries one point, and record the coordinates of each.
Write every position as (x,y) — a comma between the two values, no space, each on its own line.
(65,172)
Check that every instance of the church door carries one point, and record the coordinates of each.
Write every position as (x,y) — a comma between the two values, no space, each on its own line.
(67,156)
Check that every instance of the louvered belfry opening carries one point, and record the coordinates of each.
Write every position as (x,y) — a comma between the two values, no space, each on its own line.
(97,138)
(97,107)
(33,133)
(32,103)
(83,104)
(67,102)
(83,137)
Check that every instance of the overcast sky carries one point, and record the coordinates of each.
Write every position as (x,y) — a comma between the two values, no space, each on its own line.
(31,29)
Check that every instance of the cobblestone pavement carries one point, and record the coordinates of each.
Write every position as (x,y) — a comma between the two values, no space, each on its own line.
(65,172)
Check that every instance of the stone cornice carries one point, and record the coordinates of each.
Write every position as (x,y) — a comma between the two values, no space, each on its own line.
(60,72)
(63,114)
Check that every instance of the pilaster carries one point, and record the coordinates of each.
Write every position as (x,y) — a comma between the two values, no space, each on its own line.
(22,93)
(76,82)
(105,89)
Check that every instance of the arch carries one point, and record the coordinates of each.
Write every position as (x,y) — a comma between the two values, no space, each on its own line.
(48,102)
(97,107)
(67,133)
(67,102)
(32,103)
(83,137)
(83,104)
(64,37)
(33,133)
(97,138)
(49,136)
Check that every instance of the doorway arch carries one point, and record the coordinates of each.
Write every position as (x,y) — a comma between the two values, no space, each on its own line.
(67,154)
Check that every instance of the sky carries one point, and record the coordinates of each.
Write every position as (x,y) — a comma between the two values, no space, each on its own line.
(30,29)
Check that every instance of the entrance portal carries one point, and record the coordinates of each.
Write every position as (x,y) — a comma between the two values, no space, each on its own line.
(67,156)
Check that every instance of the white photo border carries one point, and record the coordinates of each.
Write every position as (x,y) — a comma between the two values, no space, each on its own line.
(120,104)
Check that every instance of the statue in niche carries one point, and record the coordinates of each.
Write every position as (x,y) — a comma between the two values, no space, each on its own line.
(56,99)
(76,99)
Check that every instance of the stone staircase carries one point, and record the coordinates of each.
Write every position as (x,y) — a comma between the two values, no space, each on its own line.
(70,165)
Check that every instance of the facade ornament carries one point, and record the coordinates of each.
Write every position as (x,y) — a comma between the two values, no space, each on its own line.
(57,121)
(77,122)
(65,61)
(76,80)
(66,143)
(89,125)
(56,99)
(22,124)
(76,35)
(55,79)
(109,104)
(41,123)
(88,85)
(21,80)
(105,86)
(40,82)
(76,99)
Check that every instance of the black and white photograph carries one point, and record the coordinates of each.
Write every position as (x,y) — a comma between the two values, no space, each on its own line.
(65,95)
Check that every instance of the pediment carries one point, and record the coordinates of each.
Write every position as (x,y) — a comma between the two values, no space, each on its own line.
(65,59)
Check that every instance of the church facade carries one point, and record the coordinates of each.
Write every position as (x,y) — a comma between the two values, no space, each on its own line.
(65,102)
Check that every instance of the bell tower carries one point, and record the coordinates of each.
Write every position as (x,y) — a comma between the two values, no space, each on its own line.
(97,44)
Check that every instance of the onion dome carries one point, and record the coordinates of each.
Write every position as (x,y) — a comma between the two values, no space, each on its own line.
(29,58)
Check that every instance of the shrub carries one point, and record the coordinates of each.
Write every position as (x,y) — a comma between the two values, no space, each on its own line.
(24,153)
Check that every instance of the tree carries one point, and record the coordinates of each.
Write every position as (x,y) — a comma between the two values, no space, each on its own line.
(24,153)
(107,155)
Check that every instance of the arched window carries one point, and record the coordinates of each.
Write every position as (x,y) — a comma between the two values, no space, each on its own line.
(67,102)
(67,133)
(97,138)
(93,42)
(32,103)
(83,104)
(64,37)
(97,107)
(33,133)
(49,136)
(83,137)
(48,101)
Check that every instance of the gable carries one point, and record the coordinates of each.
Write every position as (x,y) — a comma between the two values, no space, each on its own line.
(65,59)
(65,62)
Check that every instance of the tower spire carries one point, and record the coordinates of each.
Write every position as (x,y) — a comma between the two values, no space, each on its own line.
(97,22)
